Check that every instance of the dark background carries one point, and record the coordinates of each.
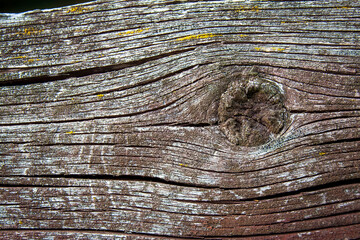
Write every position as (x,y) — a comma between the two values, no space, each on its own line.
(16,6)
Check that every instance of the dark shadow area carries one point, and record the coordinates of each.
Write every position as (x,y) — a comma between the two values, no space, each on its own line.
(17,6)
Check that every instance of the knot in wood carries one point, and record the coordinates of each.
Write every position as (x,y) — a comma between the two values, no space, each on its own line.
(252,111)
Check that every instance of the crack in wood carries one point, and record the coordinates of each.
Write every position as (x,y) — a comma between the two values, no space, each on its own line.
(98,231)
(317,188)
(86,72)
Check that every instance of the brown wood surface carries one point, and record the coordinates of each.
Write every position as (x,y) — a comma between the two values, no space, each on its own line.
(109,124)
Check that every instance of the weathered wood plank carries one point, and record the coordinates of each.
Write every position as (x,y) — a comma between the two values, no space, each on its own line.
(176,210)
(109,122)
(336,233)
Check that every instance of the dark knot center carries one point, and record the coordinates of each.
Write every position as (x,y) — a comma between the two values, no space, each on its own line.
(252,111)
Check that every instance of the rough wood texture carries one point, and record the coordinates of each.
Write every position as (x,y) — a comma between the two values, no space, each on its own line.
(109,121)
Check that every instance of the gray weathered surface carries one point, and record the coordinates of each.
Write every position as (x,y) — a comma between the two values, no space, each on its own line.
(109,121)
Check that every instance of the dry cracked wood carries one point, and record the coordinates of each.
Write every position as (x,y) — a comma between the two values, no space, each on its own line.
(109,124)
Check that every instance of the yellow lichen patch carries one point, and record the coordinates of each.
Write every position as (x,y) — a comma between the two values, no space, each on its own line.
(343,7)
(32,60)
(80,30)
(205,35)
(278,49)
(30,32)
(270,49)
(248,9)
(294,22)
(100,95)
(26,60)
(79,9)
(131,32)
(19,57)
(321,153)
(71,132)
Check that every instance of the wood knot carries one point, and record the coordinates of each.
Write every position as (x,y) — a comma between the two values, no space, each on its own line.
(252,111)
